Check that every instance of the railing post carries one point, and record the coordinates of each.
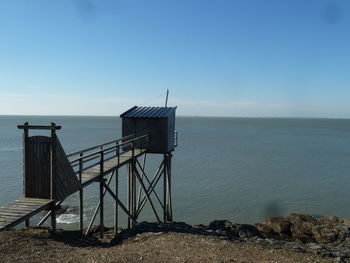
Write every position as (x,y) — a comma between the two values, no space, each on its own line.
(81,204)
(165,188)
(116,203)
(116,190)
(133,167)
(129,195)
(131,187)
(101,193)
(169,202)
(53,175)
(118,154)
(26,162)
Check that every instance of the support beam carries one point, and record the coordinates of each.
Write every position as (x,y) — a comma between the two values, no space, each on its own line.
(150,189)
(81,196)
(129,195)
(120,203)
(26,158)
(169,203)
(116,203)
(53,219)
(147,195)
(81,210)
(48,214)
(101,194)
(165,188)
(144,175)
(133,188)
(97,209)
(53,175)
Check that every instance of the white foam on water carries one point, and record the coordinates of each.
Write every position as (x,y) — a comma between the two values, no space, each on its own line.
(68,219)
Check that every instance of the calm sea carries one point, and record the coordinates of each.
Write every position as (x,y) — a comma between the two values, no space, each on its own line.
(240,169)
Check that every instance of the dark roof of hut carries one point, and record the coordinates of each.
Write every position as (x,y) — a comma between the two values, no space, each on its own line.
(148,112)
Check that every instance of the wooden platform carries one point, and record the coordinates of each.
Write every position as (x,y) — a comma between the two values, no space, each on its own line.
(92,174)
(18,211)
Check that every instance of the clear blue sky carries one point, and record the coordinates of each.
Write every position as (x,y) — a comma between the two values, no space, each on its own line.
(219,57)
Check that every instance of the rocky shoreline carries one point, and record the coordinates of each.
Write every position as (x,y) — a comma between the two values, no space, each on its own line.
(325,236)
(295,238)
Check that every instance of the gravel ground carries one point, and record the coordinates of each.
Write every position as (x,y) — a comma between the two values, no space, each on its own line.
(37,245)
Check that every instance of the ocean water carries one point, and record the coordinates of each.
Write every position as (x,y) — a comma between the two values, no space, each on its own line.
(240,169)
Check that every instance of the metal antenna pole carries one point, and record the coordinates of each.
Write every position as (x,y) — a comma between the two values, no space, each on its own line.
(166,99)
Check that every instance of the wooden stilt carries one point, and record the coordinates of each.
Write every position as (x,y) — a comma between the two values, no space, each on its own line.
(133,174)
(101,195)
(165,188)
(53,220)
(169,204)
(116,203)
(53,175)
(97,209)
(81,196)
(129,195)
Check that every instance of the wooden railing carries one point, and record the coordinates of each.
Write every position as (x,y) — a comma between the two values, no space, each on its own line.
(92,156)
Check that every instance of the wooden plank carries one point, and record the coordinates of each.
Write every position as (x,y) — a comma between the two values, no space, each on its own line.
(20,206)
(10,218)
(38,179)
(87,179)
(10,214)
(89,176)
(24,206)
(15,209)
(17,219)
(39,127)
(33,201)
(15,213)
(36,200)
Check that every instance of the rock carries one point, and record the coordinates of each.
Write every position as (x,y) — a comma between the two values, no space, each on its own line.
(246,231)
(234,230)
(328,236)
(314,246)
(345,221)
(298,218)
(306,229)
(323,234)
(202,227)
(223,225)
(265,230)
(333,220)
(302,232)
(301,228)
(280,226)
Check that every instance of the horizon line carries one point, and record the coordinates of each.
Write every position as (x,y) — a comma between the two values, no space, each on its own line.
(182,116)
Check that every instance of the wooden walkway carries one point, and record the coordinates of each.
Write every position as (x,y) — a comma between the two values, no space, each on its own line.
(92,174)
(24,208)
(18,211)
